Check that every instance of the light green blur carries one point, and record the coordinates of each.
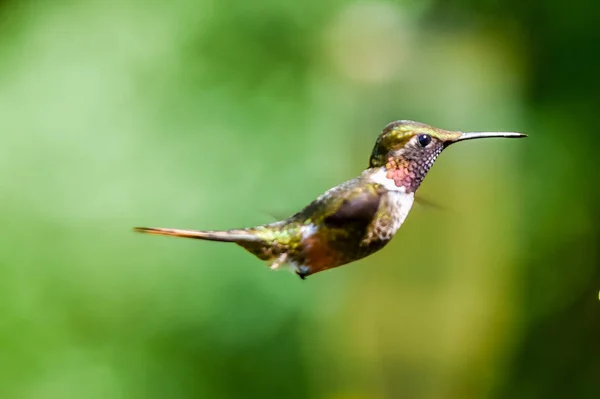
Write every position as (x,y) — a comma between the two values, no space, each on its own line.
(218,114)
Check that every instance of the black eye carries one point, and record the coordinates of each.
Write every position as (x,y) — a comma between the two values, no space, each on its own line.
(424,139)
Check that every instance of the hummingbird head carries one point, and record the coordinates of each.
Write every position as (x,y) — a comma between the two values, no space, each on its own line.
(408,149)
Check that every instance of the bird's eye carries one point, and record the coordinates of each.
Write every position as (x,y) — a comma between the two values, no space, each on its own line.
(424,140)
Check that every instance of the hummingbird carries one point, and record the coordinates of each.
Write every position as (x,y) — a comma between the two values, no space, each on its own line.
(354,219)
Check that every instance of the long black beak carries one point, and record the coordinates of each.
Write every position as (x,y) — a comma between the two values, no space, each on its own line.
(483,135)
(459,136)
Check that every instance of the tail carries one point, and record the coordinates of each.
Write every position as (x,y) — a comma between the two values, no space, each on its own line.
(237,236)
(252,240)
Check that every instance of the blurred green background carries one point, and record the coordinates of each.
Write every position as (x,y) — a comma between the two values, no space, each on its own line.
(213,114)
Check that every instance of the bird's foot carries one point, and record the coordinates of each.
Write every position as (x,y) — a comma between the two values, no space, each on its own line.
(303,272)
(301,275)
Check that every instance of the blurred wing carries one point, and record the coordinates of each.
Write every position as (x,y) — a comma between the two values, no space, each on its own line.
(429,204)
(277,215)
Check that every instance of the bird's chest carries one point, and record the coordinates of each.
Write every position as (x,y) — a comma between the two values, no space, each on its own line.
(392,212)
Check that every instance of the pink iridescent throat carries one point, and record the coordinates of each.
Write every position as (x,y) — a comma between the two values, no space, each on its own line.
(399,171)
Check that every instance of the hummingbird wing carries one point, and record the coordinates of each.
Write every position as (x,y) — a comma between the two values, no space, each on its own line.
(358,206)
(353,203)
(430,204)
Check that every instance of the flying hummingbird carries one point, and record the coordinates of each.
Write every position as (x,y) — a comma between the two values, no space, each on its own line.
(356,218)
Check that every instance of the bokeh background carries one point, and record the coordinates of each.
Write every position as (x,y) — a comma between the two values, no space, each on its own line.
(219,113)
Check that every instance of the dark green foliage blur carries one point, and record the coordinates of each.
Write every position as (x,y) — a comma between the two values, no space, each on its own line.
(218,114)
